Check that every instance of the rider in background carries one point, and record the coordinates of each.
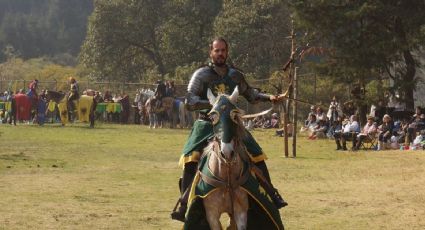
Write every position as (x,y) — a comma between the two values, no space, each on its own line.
(32,89)
(160,92)
(170,89)
(73,94)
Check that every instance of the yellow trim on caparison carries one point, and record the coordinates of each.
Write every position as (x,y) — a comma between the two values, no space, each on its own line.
(194,157)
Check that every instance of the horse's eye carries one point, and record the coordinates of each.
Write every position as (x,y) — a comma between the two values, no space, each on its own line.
(234,115)
(214,117)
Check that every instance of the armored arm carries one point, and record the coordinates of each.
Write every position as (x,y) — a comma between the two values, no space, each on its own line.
(194,100)
(253,95)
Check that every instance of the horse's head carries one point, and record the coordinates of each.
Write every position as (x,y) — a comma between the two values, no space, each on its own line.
(53,95)
(225,117)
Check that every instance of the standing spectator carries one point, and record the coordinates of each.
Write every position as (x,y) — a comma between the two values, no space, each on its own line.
(125,108)
(97,97)
(107,97)
(333,114)
(385,131)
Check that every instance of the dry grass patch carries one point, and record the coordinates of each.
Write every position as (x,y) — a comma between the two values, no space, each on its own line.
(125,177)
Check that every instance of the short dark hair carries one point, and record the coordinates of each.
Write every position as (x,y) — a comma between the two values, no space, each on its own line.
(221,39)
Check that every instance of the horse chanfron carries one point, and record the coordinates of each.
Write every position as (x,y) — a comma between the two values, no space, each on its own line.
(226,164)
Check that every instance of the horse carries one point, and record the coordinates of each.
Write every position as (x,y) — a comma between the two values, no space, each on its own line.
(158,115)
(227,181)
(227,159)
(85,104)
(140,100)
(24,107)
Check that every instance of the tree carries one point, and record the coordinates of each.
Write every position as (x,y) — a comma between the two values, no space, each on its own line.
(257,32)
(43,27)
(368,40)
(150,34)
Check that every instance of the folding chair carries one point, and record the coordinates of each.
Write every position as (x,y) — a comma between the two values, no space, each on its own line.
(370,142)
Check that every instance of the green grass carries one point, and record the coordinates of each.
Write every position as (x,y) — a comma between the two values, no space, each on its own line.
(125,177)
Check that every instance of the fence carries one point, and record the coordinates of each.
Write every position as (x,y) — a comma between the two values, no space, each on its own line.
(309,89)
(117,87)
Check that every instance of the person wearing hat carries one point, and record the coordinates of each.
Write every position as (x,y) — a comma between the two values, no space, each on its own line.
(369,131)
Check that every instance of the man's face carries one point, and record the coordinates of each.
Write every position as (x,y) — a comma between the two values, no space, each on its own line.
(218,53)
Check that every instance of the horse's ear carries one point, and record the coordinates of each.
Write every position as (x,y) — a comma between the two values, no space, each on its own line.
(211,97)
(234,97)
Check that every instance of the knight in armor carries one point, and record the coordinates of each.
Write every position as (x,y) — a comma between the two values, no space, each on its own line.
(219,77)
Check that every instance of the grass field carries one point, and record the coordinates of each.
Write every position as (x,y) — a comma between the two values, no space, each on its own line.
(125,177)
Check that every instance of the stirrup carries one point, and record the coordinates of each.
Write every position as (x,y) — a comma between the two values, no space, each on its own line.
(278,200)
(180,213)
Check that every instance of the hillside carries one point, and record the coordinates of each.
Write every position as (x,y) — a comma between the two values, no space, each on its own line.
(34,28)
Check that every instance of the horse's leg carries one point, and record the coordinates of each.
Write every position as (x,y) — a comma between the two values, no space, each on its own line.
(182,115)
(92,114)
(212,210)
(240,206)
(151,120)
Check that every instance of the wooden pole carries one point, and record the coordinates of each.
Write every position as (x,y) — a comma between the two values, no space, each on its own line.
(315,88)
(287,104)
(294,116)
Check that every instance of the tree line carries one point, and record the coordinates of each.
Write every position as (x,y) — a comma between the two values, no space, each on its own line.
(376,45)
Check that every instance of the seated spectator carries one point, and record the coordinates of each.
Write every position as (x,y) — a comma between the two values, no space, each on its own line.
(320,130)
(385,131)
(394,141)
(312,112)
(281,132)
(320,115)
(259,121)
(274,121)
(311,125)
(419,141)
(270,123)
(369,131)
(249,124)
(335,127)
(401,131)
(350,131)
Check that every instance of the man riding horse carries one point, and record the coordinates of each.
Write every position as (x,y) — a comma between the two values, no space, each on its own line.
(160,92)
(219,77)
(73,95)
(32,89)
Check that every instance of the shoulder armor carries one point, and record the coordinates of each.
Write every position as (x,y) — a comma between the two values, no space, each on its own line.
(194,98)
